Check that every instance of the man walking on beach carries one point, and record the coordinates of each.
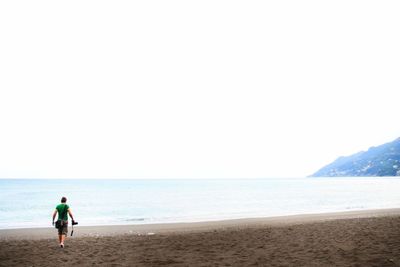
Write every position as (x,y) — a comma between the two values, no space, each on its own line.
(62,223)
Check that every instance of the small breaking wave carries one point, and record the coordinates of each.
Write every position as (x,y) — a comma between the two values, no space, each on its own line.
(135,220)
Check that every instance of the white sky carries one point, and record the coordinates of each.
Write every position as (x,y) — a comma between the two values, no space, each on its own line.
(194,89)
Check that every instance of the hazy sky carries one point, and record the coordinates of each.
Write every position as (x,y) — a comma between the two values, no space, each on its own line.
(192,89)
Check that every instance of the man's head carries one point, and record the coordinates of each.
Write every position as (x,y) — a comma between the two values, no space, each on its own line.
(63,200)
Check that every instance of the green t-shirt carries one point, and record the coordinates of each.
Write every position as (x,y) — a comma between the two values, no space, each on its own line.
(62,211)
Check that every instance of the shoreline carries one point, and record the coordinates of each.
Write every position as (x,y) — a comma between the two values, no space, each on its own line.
(186,227)
(355,238)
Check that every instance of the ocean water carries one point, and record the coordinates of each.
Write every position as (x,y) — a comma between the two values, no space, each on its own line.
(30,203)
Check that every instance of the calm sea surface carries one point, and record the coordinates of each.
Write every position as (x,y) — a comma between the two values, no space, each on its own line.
(30,203)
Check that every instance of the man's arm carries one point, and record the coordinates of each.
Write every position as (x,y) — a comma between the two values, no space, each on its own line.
(54,215)
(70,214)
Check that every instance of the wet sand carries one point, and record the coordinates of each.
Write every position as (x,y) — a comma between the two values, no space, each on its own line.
(360,238)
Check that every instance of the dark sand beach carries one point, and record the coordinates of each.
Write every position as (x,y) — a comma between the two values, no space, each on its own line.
(362,238)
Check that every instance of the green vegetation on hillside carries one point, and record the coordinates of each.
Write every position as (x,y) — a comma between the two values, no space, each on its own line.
(382,160)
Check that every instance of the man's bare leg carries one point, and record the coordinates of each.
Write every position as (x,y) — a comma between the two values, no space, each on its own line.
(62,240)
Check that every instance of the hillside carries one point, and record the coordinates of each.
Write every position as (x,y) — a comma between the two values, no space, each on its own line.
(383,160)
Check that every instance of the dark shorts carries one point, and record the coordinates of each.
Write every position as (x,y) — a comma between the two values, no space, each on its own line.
(63,230)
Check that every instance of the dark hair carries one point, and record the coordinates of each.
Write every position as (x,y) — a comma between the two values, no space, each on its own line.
(63,199)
